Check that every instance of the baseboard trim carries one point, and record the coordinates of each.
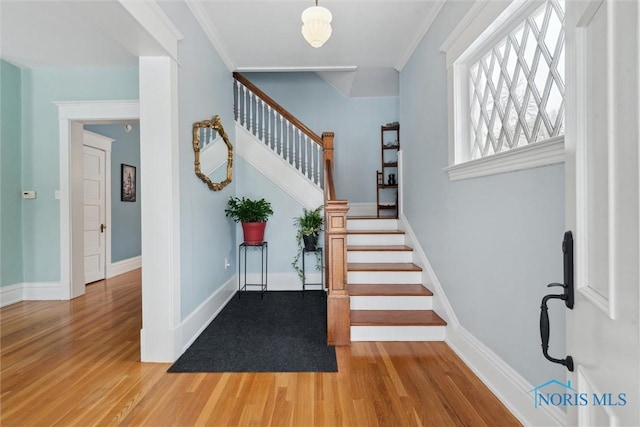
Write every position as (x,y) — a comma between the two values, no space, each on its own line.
(124,266)
(508,386)
(11,294)
(503,381)
(43,291)
(440,301)
(193,325)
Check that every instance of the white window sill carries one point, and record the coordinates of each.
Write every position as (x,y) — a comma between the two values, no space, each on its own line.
(531,156)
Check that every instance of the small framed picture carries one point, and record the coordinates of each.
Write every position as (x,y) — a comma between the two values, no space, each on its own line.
(128,183)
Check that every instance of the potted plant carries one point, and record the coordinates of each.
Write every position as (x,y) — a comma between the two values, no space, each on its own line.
(253,214)
(309,227)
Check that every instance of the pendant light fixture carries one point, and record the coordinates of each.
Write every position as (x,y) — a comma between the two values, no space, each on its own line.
(316,25)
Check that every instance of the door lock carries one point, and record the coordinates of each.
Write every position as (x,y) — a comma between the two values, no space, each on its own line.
(566,296)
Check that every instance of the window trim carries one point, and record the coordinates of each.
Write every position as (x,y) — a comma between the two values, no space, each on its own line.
(486,23)
(548,152)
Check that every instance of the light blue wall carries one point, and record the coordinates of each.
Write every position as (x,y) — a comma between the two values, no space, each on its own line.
(126,237)
(355,121)
(10,174)
(280,231)
(493,242)
(40,152)
(205,89)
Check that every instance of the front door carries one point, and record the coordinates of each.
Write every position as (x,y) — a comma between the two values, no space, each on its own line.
(602,195)
(94,214)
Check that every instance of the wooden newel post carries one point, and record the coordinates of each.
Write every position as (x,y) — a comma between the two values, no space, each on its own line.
(327,146)
(338,305)
(335,234)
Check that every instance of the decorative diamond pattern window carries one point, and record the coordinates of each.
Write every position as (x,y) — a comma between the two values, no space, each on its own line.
(516,89)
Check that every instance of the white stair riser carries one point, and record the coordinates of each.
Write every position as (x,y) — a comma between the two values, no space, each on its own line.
(379,256)
(398,333)
(372,224)
(401,302)
(384,277)
(375,239)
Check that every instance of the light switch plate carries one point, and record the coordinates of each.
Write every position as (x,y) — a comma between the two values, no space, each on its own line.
(29,194)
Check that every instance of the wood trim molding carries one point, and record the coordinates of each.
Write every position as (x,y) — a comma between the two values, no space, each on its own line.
(507,384)
(526,157)
(201,15)
(426,25)
(70,115)
(198,320)
(123,266)
(11,294)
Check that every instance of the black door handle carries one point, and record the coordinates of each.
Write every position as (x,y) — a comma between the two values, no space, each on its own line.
(567,296)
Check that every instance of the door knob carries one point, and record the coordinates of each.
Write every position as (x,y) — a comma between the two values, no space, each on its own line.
(566,296)
(102,227)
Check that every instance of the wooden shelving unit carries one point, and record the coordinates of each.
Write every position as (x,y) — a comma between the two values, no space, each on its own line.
(387,177)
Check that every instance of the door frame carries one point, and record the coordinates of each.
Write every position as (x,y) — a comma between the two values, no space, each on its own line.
(101,142)
(73,116)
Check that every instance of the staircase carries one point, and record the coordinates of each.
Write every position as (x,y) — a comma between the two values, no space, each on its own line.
(388,299)
(381,297)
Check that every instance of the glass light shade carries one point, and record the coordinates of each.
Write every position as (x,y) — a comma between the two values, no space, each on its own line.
(316,27)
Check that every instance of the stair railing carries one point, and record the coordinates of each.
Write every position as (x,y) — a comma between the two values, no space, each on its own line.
(335,243)
(278,129)
(312,156)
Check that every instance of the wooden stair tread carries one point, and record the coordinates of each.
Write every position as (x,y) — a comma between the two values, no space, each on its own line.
(382,266)
(379,248)
(388,290)
(396,318)
(375,232)
(369,217)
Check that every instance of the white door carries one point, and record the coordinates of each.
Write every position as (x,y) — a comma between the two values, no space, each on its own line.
(602,194)
(94,214)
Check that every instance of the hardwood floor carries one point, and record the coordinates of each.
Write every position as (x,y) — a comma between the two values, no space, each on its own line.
(76,363)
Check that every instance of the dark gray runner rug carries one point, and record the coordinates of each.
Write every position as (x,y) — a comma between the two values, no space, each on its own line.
(282,332)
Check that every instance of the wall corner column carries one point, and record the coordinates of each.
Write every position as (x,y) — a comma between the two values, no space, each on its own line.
(160,198)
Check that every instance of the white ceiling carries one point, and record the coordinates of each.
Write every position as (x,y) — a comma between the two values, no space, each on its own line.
(71,33)
(370,38)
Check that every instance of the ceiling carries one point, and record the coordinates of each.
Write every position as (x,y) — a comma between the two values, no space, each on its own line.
(71,33)
(369,41)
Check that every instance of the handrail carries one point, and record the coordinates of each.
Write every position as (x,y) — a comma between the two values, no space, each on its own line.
(273,104)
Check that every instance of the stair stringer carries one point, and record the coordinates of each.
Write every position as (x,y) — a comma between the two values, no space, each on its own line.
(278,170)
(506,383)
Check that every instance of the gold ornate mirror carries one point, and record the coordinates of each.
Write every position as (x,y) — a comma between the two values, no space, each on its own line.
(211,141)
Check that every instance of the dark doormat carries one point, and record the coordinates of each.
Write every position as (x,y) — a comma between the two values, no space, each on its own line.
(282,332)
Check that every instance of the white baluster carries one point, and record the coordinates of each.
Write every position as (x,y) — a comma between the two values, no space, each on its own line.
(251,128)
(261,118)
(313,162)
(244,106)
(295,143)
(287,144)
(307,149)
(318,163)
(299,150)
(236,86)
(269,138)
(281,139)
